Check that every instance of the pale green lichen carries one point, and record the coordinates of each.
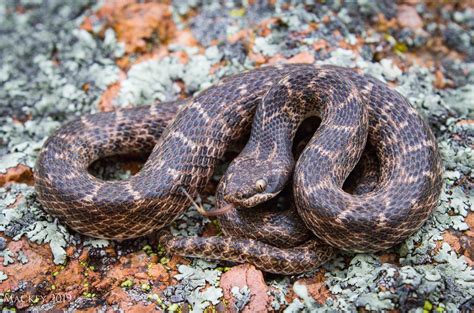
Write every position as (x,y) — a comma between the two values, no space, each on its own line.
(296,306)
(192,288)
(8,257)
(21,257)
(154,80)
(302,292)
(24,141)
(278,291)
(200,300)
(55,235)
(50,74)
(35,85)
(96,243)
(27,218)
(241,297)
(265,46)
(150,81)
(3,277)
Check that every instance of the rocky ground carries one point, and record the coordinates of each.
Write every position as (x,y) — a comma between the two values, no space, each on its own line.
(61,59)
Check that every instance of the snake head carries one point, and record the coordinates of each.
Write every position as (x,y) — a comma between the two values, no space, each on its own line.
(249,182)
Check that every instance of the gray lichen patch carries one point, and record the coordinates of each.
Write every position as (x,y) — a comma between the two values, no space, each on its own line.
(198,285)
(156,80)
(50,72)
(26,217)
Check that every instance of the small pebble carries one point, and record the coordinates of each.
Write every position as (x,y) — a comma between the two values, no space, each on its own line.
(177,298)
(3,243)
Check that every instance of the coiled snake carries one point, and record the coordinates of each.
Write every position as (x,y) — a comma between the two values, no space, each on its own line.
(189,137)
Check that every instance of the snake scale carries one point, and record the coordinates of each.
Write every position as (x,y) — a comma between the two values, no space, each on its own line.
(188,138)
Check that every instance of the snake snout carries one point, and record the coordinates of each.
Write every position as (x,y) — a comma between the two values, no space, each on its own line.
(243,194)
(248,199)
(250,182)
(239,198)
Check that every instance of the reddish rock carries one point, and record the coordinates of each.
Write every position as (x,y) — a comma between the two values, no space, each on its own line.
(19,174)
(70,251)
(277,58)
(141,308)
(136,24)
(34,276)
(102,284)
(326,19)
(320,44)
(39,263)
(467,243)
(264,27)
(116,296)
(302,57)
(71,275)
(452,240)
(470,216)
(141,275)
(467,239)
(177,260)
(440,81)
(158,272)
(129,265)
(408,17)
(84,255)
(392,258)
(120,297)
(106,101)
(184,38)
(316,287)
(137,260)
(243,34)
(258,58)
(246,275)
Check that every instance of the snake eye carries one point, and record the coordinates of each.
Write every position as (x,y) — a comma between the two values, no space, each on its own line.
(260,185)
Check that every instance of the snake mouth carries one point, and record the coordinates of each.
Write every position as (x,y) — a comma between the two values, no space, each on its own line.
(249,202)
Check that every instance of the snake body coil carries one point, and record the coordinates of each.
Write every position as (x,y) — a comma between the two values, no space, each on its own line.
(198,131)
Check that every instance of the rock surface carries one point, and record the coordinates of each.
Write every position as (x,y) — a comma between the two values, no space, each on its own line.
(242,276)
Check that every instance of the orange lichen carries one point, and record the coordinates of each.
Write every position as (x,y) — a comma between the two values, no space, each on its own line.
(139,25)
